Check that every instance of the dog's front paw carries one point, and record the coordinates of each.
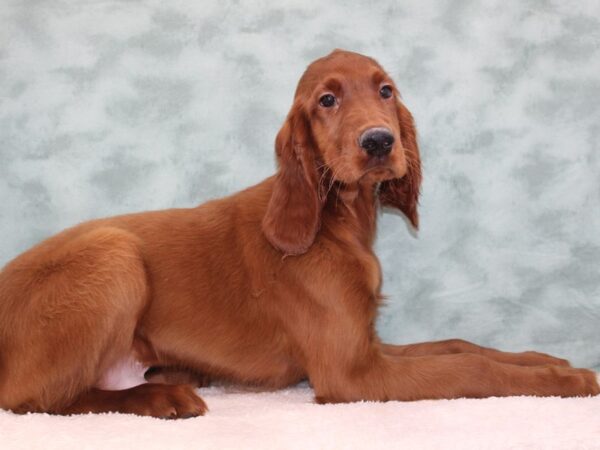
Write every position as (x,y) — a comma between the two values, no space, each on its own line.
(591,382)
(541,359)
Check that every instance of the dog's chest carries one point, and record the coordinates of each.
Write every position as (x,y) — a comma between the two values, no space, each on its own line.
(370,271)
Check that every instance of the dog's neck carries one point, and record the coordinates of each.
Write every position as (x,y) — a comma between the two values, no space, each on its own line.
(355,207)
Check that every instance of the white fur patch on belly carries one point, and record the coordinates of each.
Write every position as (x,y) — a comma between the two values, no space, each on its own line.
(126,373)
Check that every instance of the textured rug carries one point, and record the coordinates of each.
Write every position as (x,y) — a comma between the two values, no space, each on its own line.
(289,419)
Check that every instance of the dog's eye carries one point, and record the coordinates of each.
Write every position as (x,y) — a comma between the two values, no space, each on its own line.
(327,100)
(386,91)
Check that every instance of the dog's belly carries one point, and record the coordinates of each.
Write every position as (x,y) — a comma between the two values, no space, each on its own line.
(259,368)
(127,372)
(221,337)
(253,361)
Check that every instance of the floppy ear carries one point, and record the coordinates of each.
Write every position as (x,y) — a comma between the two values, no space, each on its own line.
(294,212)
(403,193)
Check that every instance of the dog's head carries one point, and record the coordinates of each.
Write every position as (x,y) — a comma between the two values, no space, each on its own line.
(347,122)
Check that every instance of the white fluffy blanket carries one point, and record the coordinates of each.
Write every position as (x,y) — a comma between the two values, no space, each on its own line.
(289,419)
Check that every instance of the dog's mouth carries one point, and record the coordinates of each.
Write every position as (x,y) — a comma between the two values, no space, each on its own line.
(379,168)
(378,162)
(379,173)
(375,168)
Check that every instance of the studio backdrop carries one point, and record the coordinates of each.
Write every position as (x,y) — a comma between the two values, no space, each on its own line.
(108,107)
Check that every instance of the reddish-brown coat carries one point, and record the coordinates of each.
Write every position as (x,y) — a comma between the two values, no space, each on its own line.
(271,285)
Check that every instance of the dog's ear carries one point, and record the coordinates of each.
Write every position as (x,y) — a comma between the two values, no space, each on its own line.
(403,193)
(294,211)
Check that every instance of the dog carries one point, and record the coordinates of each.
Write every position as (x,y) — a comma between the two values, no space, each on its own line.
(270,286)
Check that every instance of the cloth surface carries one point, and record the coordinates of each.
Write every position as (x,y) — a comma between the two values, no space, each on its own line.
(289,419)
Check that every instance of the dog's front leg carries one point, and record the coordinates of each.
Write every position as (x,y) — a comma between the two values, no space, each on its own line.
(450,346)
(350,366)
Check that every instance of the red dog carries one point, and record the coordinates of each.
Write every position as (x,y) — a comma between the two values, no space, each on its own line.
(269,286)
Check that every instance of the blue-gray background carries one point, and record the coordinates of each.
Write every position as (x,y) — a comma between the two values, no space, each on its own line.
(109,107)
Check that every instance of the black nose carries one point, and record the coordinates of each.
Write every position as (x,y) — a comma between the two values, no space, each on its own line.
(377,141)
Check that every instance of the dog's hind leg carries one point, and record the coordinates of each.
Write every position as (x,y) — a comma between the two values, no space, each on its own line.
(68,312)
(166,401)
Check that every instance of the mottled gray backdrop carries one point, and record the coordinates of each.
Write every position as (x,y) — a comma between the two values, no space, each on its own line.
(108,107)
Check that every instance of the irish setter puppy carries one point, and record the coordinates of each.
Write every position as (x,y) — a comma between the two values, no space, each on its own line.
(269,286)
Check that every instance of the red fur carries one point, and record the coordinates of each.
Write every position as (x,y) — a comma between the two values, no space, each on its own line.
(269,286)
